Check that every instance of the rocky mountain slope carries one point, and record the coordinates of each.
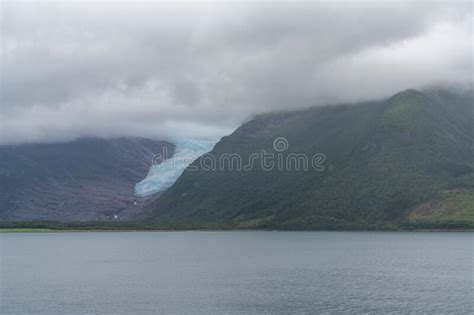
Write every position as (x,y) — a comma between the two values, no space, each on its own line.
(82,180)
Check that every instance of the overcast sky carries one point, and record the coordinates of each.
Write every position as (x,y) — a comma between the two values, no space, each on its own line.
(168,70)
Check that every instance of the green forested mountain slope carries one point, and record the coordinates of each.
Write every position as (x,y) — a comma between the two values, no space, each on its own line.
(383,160)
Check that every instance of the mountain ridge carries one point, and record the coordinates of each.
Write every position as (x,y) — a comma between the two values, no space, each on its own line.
(383,159)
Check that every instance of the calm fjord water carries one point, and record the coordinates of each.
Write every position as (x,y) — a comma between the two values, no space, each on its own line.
(235,272)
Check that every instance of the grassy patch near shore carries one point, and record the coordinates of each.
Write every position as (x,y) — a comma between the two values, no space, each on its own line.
(24,230)
(452,208)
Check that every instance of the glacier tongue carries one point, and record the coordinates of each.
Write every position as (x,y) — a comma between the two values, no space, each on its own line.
(162,176)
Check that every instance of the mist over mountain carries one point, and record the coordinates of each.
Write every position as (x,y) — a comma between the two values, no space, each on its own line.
(405,161)
(134,70)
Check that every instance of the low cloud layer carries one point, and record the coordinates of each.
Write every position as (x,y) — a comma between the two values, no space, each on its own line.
(197,70)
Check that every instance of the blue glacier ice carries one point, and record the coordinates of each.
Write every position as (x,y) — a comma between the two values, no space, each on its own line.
(161,176)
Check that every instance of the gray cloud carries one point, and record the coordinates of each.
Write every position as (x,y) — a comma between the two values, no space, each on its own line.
(185,70)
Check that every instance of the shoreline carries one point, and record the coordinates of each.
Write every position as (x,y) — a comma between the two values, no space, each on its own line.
(46,230)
